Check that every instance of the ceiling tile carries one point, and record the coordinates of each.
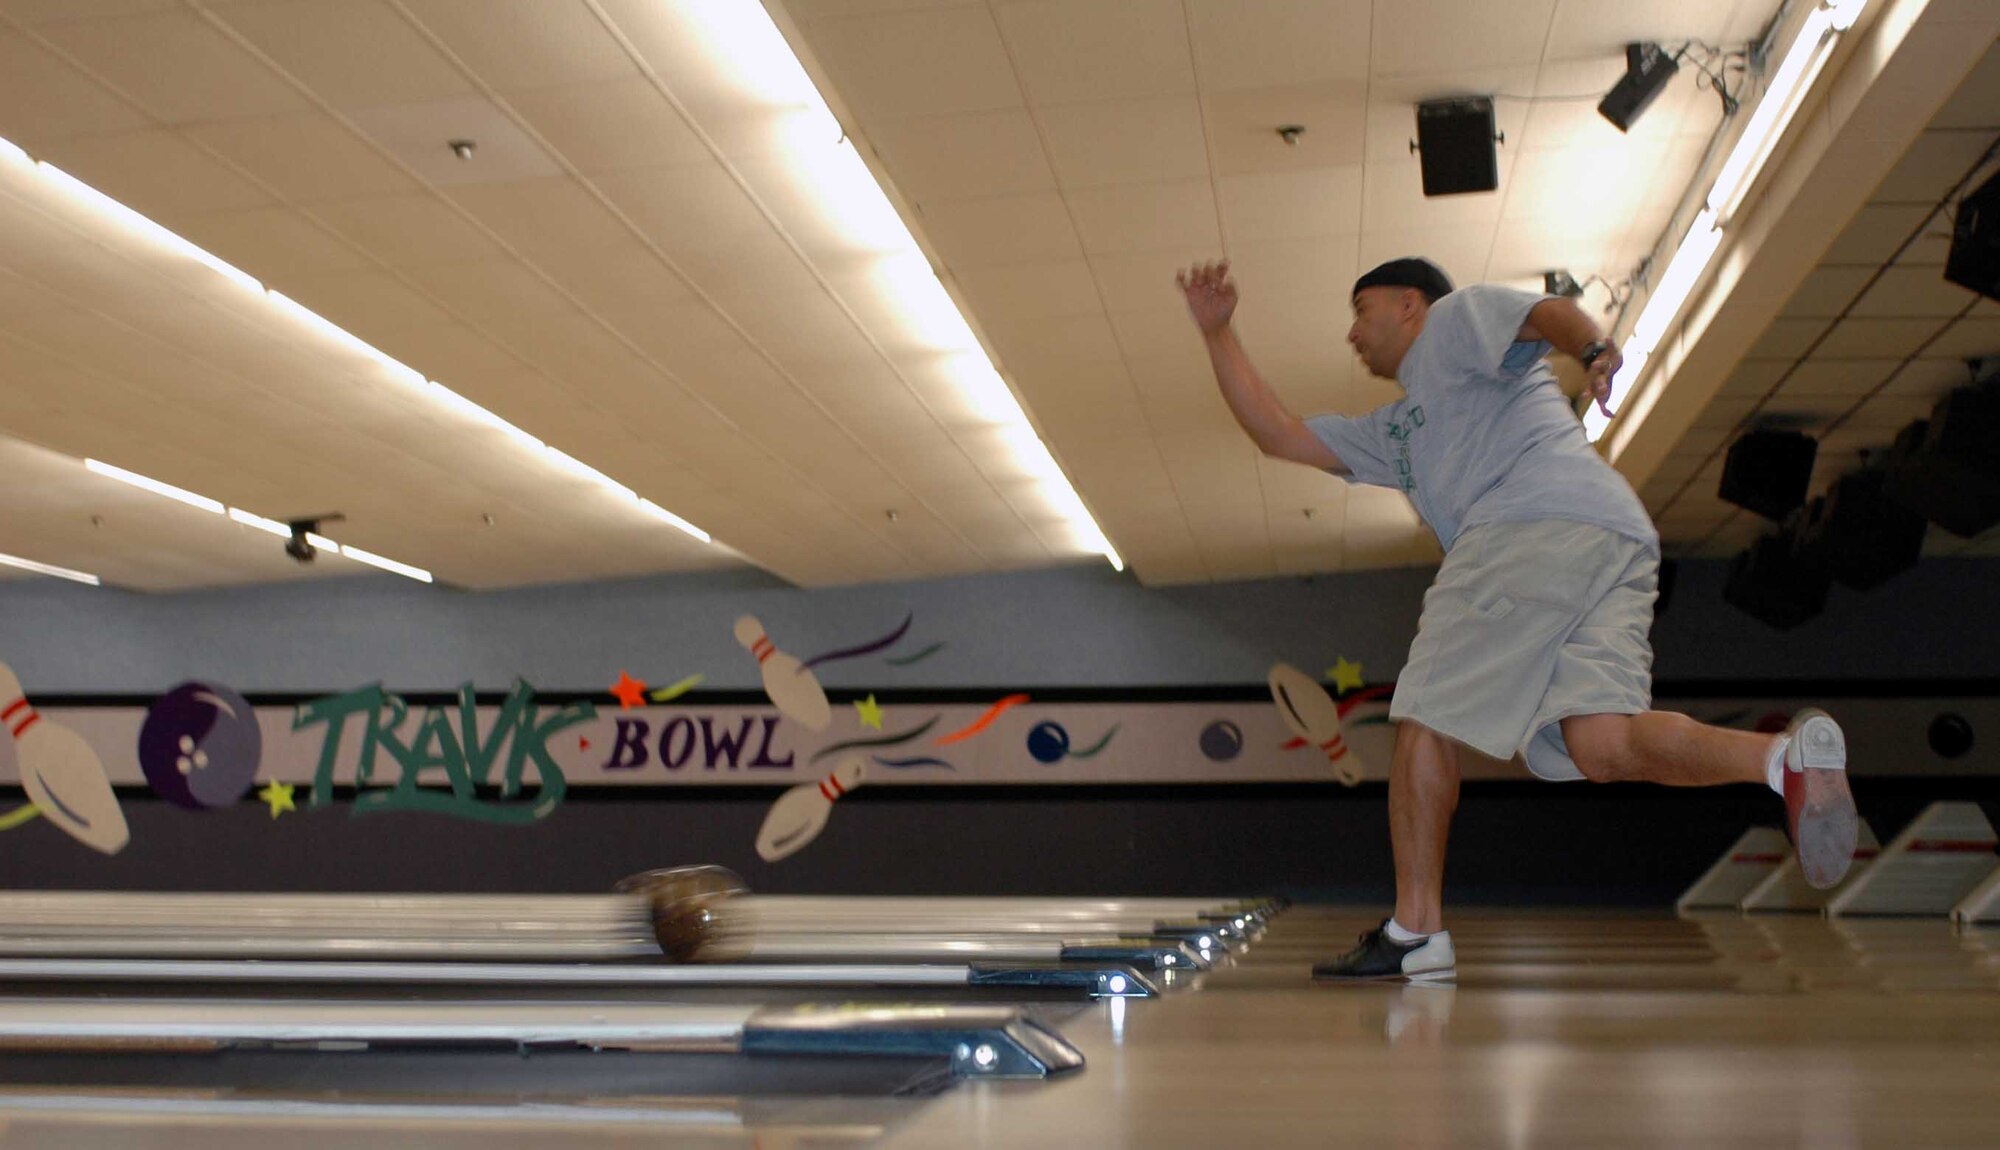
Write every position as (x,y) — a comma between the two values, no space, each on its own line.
(1788,339)
(901,64)
(1457,35)
(354,54)
(1317,203)
(42,97)
(1077,51)
(1604,27)
(1828,291)
(1972,336)
(156,173)
(1131,218)
(1462,250)
(272,244)
(1909,292)
(1141,279)
(1264,43)
(1934,164)
(421,136)
(1029,291)
(971,156)
(1875,233)
(408,231)
(1392,198)
(1002,230)
(1243,125)
(178,66)
(1878,338)
(305,157)
(1847,378)
(526,43)
(1126,141)
(545,218)
(612,126)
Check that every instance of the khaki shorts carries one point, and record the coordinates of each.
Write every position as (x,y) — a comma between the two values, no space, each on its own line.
(1528,624)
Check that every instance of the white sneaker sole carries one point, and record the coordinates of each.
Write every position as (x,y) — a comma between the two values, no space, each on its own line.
(1828,826)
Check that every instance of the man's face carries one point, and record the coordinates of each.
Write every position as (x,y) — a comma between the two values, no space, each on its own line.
(1377,333)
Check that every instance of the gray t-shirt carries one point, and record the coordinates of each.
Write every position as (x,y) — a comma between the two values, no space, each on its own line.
(1483,433)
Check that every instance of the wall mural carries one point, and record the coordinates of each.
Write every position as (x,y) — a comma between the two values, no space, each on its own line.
(511,759)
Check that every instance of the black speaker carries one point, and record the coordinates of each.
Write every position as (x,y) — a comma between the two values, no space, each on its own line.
(1771,583)
(1455,142)
(1860,535)
(1647,70)
(1768,472)
(1947,468)
(1974,261)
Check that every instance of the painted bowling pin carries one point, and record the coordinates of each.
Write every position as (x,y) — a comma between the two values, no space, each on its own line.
(62,775)
(800,813)
(1313,716)
(794,690)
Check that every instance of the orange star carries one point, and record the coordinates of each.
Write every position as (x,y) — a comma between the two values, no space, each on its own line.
(628,691)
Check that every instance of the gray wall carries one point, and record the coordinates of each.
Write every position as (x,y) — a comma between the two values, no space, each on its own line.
(1079,626)
(1084,626)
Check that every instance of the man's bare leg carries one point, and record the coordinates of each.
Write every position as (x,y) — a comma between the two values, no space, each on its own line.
(1423,793)
(1667,748)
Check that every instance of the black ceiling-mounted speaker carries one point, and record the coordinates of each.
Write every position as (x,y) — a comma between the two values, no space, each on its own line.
(1455,144)
(1974,261)
(1771,583)
(1860,535)
(1768,472)
(1647,70)
(1947,468)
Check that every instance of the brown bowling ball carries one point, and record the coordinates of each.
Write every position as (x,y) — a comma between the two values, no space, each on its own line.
(682,902)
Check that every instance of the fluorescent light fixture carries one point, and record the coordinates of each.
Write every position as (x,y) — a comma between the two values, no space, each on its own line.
(51,569)
(1782,98)
(675,520)
(478,414)
(270,526)
(988,395)
(403,372)
(1677,282)
(250,519)
(374,560)
(144,228)
(1843,13)
(841,161)
(585,471)
(745,55)
(1780,102)
(154,486)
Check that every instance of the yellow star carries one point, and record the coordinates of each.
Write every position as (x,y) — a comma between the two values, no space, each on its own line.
(1346,676)
(870,712)
(279,795)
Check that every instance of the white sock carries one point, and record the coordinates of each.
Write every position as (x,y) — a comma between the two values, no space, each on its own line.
(1774,765)
(1399,933)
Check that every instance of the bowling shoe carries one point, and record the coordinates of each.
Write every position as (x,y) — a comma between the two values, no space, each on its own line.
(1381,957)
(1819,808)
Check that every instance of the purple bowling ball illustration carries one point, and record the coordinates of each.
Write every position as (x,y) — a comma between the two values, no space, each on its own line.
(200,746)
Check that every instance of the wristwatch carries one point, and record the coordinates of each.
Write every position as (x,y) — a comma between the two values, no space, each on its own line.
(1592,351)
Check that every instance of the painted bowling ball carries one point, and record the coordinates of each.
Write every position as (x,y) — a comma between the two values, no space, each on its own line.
(1221,741)
(1048,742)
(200,746)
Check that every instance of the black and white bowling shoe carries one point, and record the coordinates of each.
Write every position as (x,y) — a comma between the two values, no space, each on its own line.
(1381,957)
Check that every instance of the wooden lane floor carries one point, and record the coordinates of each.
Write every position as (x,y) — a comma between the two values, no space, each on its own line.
(1576,1028)
(1564,1028)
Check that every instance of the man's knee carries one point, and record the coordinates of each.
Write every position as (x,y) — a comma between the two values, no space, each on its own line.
(1600,746)
(1418,746)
